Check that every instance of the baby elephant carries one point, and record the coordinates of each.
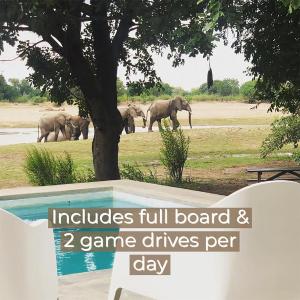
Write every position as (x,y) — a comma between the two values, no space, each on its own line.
(161,109)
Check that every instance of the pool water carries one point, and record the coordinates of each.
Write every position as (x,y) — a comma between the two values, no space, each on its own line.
(70,262)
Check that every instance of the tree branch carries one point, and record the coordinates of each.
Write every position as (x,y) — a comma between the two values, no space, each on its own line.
(31,46)
(54,44)
(101,33)
(122,33)
(19,28)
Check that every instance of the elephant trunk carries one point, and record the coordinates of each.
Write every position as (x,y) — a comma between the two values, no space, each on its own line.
(190,119)
(188,108)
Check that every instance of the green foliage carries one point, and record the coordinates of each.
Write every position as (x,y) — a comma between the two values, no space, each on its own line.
(19,91)
(85,176)
(43,168)
(268,36)
(285,130)
(229,87)
(157,90)
(247,89)
(226,87)
(267,33)
(134,172)
(174,151)
(291,4)
(121,90)
(296,157)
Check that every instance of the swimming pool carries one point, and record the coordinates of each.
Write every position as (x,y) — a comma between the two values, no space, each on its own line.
(31,209)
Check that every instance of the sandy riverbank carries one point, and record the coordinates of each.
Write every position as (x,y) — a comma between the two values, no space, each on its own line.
(26,115)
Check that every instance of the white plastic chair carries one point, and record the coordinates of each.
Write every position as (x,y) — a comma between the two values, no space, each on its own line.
(266,268)
(27,260)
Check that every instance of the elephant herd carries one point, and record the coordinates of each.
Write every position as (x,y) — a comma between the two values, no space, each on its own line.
(71,127)
(63,126)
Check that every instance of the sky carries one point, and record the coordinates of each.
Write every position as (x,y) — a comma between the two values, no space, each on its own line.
(224,62)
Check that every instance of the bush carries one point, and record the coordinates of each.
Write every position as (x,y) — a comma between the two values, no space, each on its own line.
(285,130)
(85,176)
(174,151)
(134,172)
(296,157)
(43,168)
(248,89)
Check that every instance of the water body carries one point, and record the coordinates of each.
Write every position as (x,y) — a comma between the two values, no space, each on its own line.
(12,136)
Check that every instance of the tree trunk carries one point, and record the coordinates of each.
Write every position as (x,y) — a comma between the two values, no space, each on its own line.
(100,95)
(108,131)
(105,154)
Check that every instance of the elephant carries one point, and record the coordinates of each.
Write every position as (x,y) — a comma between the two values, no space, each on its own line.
(81,127)
(56,122)
(128,114)
(161,109)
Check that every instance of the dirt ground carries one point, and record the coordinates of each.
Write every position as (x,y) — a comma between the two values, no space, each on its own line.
(26,115)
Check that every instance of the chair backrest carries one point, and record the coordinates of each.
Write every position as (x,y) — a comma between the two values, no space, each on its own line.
(27,259)
(267,266)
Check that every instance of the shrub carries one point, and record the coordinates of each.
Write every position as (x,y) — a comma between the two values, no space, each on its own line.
(248,89)
(174,151)
(43,168)
(285,130)
(134,172)
(296,157)
(85,176)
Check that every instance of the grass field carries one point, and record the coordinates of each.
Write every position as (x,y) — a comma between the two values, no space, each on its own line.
(217,161)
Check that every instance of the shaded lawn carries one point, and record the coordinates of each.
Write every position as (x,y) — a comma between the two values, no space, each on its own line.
(217,161)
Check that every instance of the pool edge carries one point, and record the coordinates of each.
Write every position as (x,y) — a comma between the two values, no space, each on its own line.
(147,190)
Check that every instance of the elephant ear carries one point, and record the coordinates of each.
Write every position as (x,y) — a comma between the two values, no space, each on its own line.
(177,103)
(132,112)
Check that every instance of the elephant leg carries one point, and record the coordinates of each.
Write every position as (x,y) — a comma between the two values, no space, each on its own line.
(63,131)
(126,127)
(43,135)
(159,124)
(40,138)
(46,137)
(85,134)
(152,120)
(131,125)
(175,123)
(56,134)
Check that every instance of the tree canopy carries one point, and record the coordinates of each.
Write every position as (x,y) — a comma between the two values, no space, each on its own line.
(83,42)
(226,87)
(267,32)
(15,88)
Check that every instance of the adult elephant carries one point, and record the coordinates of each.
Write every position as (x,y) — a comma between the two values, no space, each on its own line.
(162,109)
(55,122)
(82,127)
(128,114)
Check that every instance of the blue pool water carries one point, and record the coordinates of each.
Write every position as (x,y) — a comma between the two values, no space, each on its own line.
(70,262)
